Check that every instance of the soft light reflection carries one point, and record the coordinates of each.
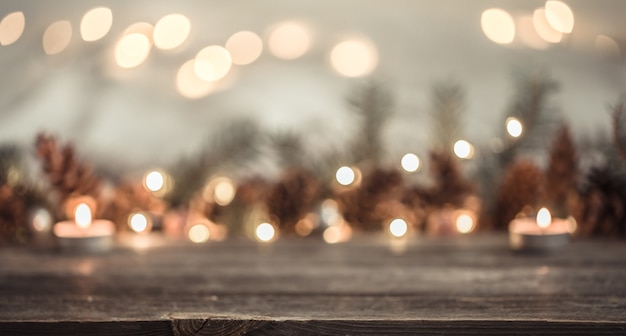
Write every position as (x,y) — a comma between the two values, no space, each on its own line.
(398,227)
(528,34)
(498,25)
(607,46)
(464,223)
(245,47)
(189,85)
(132,50)
(559,16)
(345,175)
(330,212)
(143,28)
(171,31)
(139,222)
(11,28)
(199,233)
(265,232)
(57,37)
(410,162)
(332,235)
(463,149)
(42,220)
(544,218)
(82,215)
(96,23)
(212,63)
(514,127)
(290,40)
(154,180)
(544,29)
(354,58)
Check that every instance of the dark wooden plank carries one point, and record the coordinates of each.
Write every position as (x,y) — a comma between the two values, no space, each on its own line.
(467,283)
(135,328)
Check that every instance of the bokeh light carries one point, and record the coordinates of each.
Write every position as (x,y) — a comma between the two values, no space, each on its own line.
(528,34)
(171,31)
(498,25)
(199,233)
(212,63)
(410,163)
(132,50)
(463,149)
(143,28)
(464,223)
(289,40)
(96,23)
(265,232)
(332,235)
(345,176)
(544,29)
(398,227)
(154,180)
(220,190)
(57,37)
(514,127)
(244,47)
(139,222)
(189,85)
(354,58)
(11,28)
(559,16)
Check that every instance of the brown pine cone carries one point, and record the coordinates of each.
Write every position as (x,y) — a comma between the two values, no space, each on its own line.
(292,197)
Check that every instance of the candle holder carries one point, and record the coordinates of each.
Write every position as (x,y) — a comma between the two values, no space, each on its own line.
(541,235)
(84,235)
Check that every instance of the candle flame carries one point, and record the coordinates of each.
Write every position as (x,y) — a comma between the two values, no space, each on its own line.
(82,215)
(544,219)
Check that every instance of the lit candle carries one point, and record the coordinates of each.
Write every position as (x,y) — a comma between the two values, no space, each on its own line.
(84,234)
(542,233)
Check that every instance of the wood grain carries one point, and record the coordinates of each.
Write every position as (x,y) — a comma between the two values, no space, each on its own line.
(465,285)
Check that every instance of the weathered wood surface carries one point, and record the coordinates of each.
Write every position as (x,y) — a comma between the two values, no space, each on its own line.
(463,285)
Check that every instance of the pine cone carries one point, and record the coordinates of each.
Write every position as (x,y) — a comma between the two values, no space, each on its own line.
(601,208)
(292,198)
(451,187)
(66,174)
(368,206)
(129,197)
(523,186)
(562,174)
(12,215)
(251,191)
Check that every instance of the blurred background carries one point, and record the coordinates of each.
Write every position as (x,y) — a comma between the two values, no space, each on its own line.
(121,84)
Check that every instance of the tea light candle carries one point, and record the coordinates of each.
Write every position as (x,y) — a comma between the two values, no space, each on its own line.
(540,235)
(84,234)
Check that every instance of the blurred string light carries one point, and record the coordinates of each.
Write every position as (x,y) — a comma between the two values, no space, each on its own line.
(132,50)
(528,34)
(158,182)
(139,222)
(11,28)
(464,223)
(96,23)
(559,16)
(463,149)
(410,163)
(212,63)
(345,176)
(354,58)
(244,47)
(544,29)
(498,25)
(171,31)
(143,28)
(199,233)
(398,227)
(607,46)
(514,127)
(220,190)
(265,232)
(189,85)
(289,40)
(57,37)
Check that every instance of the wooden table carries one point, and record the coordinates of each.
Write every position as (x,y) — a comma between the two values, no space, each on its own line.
(459,285)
